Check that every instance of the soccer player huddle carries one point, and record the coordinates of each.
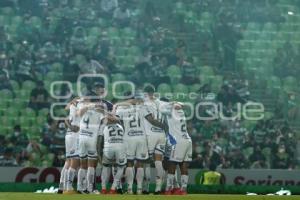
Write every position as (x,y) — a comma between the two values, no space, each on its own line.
(125,139)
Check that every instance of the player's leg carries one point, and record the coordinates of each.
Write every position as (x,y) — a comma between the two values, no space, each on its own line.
(158,158)
(63,176)
(184,167)
(106,170)
(82,172)
(147,178)
(129,171)
(105,174)
(184,176)
(92,163)
(75,163)
(170,177)
(121,161)
(141,156)
(129,174)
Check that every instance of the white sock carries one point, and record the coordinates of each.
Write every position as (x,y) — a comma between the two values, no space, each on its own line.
(140,178)
(129,174)
(90,178)
(117,177)
(66,178)
(170,181)
(159,175)
(105,176)
(176,182)
(62,178)
(81,180)
(184,182)
(147,179)
(70,178)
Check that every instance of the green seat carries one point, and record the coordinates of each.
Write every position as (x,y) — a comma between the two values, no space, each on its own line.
(252,26)
(18,103)
(53,76)
(95,31)
(290,84)
(7,122)
(270,27)
(206,70)
(36,22)
(15,85)
(24,95)
(17,20)
(6,95)
(25,122)
(43,112)
(57,67)
(28,112)
(181,92)
(194,88)
(28,85)
(174,73)
(117,77)
(248,151)
(164,89)
(12,112)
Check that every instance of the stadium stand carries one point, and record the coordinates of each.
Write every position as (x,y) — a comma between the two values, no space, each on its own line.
(223,51)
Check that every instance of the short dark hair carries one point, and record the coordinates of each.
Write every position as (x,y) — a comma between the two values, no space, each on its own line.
(98,85)
(149,89)
(164,99)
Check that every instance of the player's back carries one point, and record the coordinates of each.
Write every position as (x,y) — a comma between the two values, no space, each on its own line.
(90,123)
(131,117)
(73,117)
(177,124)
(152,107)
(113,135)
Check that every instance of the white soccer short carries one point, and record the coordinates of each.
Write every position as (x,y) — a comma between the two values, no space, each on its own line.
(156,143)
(87,147)
(72,145)
(115,154)
(182,151)
(136,148)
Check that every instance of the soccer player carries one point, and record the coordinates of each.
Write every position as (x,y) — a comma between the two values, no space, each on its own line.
(136,144)
(114,152)
(181,151)
(72,141)
(91,116)
(70,144)
(156,138)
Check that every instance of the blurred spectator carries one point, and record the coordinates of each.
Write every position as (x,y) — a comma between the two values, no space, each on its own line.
(7,160)
(39,97)
(108,7)
(122,16)
(18,137)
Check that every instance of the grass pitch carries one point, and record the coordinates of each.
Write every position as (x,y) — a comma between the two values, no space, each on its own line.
(33,196)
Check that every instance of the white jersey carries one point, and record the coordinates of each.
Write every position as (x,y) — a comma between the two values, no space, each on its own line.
(176,122)
(113,134)
(90,123)
(73,117)
(132,117)
(152,107)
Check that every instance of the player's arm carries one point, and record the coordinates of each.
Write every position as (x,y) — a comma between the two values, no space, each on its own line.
(70,126)
(85,108)
(73,102)
(154,122)
(127,102)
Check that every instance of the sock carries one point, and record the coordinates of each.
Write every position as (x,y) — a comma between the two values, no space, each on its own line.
(159,175)
(70,178)
(81,180)
(105,176)
(62,178)
(129,174)
(90,178)
(65,178)
(147,179)
(176,182)
(140,178)
(117,177)
(170,181)
(184,182)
